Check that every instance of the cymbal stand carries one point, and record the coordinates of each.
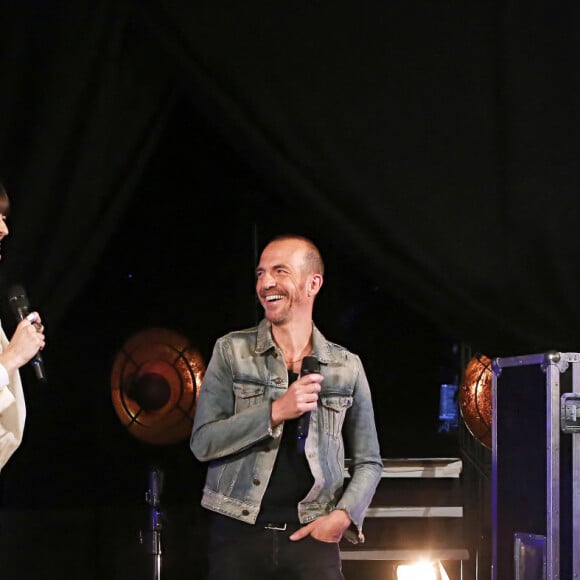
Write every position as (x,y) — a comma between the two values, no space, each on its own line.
(152,497)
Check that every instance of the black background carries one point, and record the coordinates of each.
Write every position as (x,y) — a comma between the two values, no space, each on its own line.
(151,148)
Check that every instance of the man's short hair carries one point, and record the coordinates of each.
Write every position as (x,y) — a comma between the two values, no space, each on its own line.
(313,259)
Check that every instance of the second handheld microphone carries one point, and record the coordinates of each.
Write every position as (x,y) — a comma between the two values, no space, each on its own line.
(18,301)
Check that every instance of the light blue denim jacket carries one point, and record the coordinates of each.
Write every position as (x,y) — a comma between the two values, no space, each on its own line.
(232,428)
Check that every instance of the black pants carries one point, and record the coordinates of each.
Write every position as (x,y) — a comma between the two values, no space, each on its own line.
(240,551)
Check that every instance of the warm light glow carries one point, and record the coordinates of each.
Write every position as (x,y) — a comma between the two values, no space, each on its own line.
(443,572)
(417,571)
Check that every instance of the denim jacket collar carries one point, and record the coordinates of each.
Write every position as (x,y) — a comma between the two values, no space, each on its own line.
(321,348)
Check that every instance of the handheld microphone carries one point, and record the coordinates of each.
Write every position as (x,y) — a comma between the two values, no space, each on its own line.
(309,365)
(18,301)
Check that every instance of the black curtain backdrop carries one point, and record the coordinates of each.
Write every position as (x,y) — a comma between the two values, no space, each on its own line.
(75,135)
(152,147)
(437,139)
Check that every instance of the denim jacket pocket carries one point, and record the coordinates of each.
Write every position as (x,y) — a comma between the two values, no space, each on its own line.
(248,394)
(333,411)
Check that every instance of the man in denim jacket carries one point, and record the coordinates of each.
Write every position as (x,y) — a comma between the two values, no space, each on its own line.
(281,507)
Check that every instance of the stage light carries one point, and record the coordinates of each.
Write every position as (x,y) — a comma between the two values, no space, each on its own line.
(417,571)
(155,383)
(422,570)
(475,398)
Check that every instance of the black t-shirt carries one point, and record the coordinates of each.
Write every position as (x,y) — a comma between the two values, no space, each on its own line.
(291,478)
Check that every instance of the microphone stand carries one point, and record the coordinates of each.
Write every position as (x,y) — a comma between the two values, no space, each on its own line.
(152,497)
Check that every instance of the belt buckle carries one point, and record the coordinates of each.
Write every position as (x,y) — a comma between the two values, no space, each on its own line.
(277,527)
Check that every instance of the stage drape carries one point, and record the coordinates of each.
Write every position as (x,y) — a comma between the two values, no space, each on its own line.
(82,109)
(439,140)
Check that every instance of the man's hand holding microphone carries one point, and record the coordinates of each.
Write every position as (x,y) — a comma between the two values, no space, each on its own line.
(301,397)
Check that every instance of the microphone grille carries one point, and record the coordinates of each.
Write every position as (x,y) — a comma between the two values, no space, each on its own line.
(16,292)
(310,364)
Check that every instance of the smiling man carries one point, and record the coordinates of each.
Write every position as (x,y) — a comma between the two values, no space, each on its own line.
(279,507)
